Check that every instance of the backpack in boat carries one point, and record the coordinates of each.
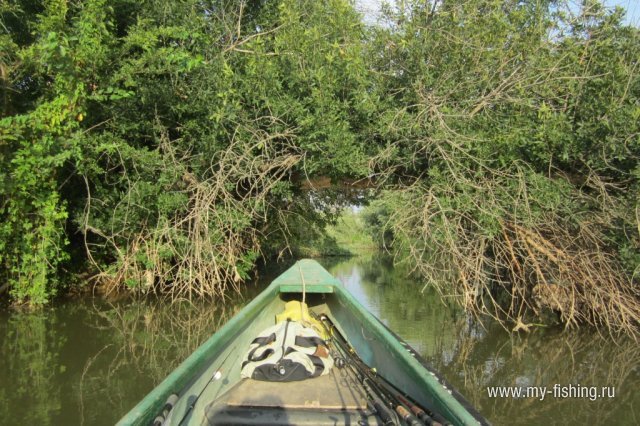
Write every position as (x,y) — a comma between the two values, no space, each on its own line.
(286,352)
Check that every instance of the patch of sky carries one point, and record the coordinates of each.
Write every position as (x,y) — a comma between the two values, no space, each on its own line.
(371,9)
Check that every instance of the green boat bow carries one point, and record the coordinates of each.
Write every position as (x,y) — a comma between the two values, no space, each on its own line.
(212,373)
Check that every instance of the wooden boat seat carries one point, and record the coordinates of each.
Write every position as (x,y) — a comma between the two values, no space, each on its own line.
(326,400)
(334,391)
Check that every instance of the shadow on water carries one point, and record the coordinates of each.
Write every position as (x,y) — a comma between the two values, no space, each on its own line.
(89,361)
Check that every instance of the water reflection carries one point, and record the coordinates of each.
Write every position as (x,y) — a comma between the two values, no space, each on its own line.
(89,362)
(147,340)
(473,356)
(30,361)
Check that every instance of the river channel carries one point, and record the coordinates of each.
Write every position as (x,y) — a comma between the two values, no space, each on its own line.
(88,361)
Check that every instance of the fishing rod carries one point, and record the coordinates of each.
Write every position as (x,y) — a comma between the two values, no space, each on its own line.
(429,417)
(371,383)
(217,375)
(387,416)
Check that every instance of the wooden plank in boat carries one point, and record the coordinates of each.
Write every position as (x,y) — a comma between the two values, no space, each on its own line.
(335,391)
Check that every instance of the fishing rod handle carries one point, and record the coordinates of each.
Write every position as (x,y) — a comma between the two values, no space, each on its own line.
(427,419)
(386,415)
(419,412)
(381,409)
(407,416)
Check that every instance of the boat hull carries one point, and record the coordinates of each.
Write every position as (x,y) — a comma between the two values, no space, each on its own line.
(214,368)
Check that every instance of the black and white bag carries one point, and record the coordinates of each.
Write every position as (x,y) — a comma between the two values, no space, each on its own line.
(287,352)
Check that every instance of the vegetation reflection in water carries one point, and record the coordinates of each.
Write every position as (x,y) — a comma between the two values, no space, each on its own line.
(474,356)
(89,362)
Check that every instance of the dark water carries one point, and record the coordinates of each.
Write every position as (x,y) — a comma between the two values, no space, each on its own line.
(88,362)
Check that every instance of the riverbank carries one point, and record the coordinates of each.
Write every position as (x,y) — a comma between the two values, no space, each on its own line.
(347,237)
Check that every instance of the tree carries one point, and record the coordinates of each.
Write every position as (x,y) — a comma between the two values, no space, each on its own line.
(162,144)
(511,125)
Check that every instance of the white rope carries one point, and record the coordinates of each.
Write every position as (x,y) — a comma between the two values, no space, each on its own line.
(304,286)
(305,319)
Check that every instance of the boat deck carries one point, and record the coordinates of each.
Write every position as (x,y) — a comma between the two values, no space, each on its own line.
(336,398)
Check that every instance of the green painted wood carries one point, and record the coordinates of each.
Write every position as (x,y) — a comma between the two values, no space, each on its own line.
(380,349)
(229,363)
(147,409)
(316,279)
(297,288)
(375,344)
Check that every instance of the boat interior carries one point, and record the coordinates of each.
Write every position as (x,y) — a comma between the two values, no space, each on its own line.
(216,394)
(335,398)
(207,387)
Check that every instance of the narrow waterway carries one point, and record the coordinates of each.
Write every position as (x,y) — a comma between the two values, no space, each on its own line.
(87,362)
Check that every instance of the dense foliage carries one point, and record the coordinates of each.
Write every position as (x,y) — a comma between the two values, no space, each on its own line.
(512,138)
(170,139)
(164,146)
